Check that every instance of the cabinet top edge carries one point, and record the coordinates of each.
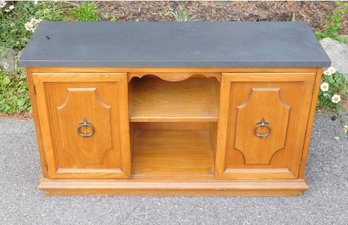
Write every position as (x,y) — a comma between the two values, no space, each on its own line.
(172,70)
(170,44)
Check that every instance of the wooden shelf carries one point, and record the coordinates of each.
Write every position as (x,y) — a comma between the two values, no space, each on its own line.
(155,100)
(172,153)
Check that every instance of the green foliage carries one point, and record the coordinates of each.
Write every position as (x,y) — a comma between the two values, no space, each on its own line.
(338,84)
(86,12)
(183,15)
(332,28)
(13,34)
(14,96)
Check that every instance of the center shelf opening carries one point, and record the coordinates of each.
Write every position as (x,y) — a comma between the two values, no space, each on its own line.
(173,127)
(173,149)
(154,100)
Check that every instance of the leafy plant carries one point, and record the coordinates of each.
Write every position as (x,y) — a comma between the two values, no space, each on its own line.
(87,12)
(332,28)
(333,91)
(14,34)
(13,92)
(182,15)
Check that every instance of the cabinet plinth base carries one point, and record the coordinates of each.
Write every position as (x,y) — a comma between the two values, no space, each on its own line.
(141,187)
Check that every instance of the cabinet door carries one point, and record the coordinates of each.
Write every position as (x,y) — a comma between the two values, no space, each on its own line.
(84,122)
(262,124)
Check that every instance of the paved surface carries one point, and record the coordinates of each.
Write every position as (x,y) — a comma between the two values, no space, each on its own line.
(325,203)
(338,53)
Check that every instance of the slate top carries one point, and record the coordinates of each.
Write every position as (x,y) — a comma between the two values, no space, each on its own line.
(174,44)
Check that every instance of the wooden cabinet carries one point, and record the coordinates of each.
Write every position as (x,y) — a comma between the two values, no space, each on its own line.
(262,124)
(126,109)
(199,132)
(83,119)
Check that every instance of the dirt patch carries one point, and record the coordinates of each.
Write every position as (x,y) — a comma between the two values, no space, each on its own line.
(315,13)
(22,116)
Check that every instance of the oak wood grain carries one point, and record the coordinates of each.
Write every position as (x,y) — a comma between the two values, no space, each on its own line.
(146,186)
(177,76)
(66,100)
(281,98)
(310,121)
(32,93)
(172,152)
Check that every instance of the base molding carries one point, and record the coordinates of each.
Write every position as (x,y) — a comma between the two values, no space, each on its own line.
(173,188)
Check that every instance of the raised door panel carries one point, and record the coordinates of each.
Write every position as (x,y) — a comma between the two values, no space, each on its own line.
(262,124)
(269,137)
(84,118)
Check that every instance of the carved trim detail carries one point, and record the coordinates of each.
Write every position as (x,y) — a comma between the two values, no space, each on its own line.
(173,77)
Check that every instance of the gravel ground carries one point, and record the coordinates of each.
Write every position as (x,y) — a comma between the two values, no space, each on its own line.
(313,12)
(325,203)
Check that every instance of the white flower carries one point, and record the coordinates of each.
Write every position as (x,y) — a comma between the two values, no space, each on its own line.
(35,2)
(327,73)
(32,24)
(337,138)
(28,26)
(324,86)
(9,9)
(345,128)
(5,65)
(336,98)
(331,70)
(2,4)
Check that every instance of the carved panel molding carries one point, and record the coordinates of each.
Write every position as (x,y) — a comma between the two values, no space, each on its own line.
(265,105)
(86,152)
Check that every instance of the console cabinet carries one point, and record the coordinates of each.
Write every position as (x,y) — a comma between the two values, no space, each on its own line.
(206,132)
(120,110)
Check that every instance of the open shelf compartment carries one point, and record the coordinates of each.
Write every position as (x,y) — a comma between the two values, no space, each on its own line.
(173,127)
(154,100)
(173,150)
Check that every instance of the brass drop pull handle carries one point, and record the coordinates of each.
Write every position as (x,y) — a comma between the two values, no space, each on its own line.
(88,126)
(262,124)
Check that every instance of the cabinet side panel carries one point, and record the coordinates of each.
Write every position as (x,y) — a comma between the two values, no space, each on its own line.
(34,106)
(310,122)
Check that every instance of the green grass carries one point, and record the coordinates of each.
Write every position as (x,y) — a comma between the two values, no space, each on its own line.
(183,15)
(333,27)
(13,34)
(86,12)
(14,96)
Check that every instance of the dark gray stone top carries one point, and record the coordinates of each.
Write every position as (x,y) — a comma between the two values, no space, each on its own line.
(174,44)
